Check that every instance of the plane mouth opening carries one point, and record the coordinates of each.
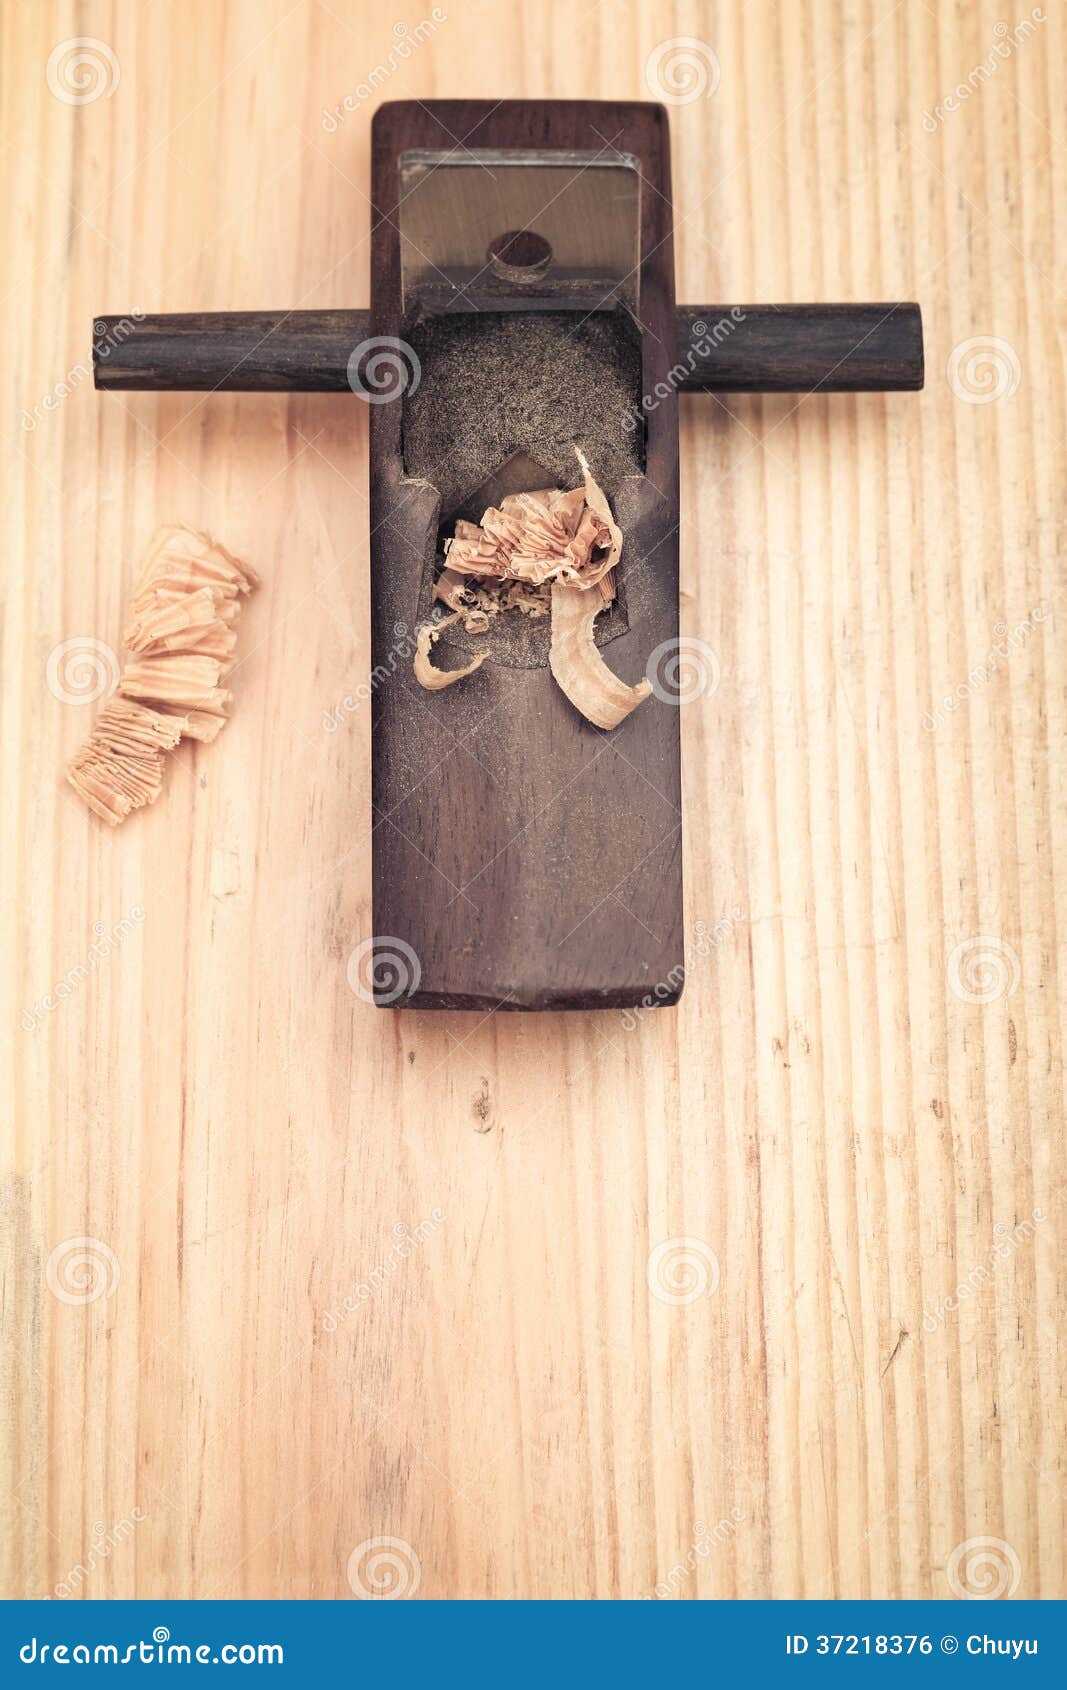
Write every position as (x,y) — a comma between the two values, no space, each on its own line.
(517,635)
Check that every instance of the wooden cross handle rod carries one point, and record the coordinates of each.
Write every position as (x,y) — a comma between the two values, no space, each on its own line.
(720,349)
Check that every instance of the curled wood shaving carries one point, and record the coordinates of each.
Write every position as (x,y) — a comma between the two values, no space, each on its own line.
(539,553)
(452,590)
(180,560)
(181,638)
(537,537)
(601,510)
(185,679)
(534,602)
(577,664)
(435,680)
(120,767)
(481,600)
(476,603)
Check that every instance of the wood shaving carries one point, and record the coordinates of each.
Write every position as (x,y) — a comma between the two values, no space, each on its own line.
(481,600)
(534,602)
(120,767)
(545,553)
(601,510)
(181,640)
(577,664)
(435,680)
(538,537)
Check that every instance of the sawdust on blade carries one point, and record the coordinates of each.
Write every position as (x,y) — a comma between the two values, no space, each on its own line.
(181,638)
(549,552)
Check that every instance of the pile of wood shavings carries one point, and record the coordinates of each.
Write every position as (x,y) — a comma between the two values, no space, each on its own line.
(181,639)
(544,553)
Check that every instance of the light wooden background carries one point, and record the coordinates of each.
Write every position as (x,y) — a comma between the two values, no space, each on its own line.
(827,1113)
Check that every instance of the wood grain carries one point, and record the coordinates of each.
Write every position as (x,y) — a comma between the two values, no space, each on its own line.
(827,1111)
